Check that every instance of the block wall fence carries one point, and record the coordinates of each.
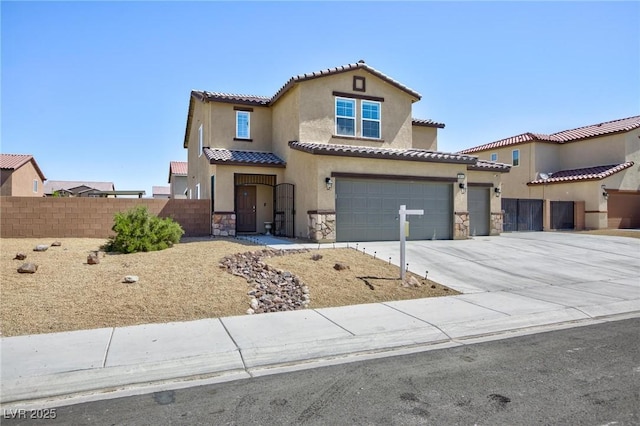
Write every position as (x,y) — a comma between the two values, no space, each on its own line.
(26,217)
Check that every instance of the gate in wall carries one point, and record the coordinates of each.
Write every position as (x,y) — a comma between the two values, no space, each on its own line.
(562,215)
(522,214)
(284,211)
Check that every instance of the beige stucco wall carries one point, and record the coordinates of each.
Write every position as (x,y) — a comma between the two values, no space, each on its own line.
(19,183)
(424,137)
(514,183)
(178,185)
(286,122)
(222,119)
(593,152)
(317,110)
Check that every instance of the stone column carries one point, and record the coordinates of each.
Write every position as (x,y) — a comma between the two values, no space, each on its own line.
(224,224)
(461,226)
(496,223)
(321,225)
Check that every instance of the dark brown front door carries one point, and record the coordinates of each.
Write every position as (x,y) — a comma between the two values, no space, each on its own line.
(246,208)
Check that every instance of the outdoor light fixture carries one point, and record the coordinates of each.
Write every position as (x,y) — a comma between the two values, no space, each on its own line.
(605,194)
(497,191)
(328,182)
(461,185)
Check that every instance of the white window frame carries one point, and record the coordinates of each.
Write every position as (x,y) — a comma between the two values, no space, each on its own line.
(248,114)
(200,140)
(515,158)
(35,186)
(494,156)
(355,106)
(378,120)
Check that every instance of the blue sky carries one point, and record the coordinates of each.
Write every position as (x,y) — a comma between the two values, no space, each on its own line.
(99,90)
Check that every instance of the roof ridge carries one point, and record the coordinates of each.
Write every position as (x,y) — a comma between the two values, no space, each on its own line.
(599,124)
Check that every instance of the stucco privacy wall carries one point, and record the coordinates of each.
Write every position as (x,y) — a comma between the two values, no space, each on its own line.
(92,217)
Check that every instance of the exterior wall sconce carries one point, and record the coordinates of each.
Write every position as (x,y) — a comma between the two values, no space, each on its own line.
(461,185)
(497,191)
(328,182)
(605,194)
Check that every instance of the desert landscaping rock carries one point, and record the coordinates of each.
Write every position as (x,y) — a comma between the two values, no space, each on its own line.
(28,268)
(273,290)
(56,244)
(93,259)
(411,281)
(131,279)
(316,257)
(20,256)
(41,247)
(340,266)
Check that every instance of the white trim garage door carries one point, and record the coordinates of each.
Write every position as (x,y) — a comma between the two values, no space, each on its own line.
(367,209)
(479,210)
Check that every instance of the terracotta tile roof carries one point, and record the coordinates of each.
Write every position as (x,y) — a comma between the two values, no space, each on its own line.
(55,185)
(490,166)
(15,161)
(230,98)
(344,68)
(587,173)
(230,157)
(178,168)
(426,123)
(386,153)
(586,132)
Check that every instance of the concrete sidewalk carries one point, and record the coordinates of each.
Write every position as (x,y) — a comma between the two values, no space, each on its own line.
(62,368)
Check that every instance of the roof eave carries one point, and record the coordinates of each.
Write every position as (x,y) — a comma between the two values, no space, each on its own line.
(244,163)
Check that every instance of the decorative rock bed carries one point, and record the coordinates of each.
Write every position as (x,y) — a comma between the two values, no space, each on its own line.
(272,289)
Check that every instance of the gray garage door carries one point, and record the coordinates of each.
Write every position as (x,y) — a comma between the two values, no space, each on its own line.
(367,210)
(479,211)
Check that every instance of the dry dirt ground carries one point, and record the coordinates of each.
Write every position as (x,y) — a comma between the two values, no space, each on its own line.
(182,283)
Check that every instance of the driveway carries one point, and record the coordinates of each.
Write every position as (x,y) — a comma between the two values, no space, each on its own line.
(525,263)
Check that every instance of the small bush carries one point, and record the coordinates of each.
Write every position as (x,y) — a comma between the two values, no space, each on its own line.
(137,230)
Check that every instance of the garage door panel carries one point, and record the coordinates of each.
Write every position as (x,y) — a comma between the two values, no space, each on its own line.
(623,210)
(379,220)
(479,210)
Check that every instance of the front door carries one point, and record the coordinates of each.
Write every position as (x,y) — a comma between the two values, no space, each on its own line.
(246,209)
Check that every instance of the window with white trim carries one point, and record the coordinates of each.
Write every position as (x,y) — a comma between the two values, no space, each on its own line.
(494,157)
(370,119)
(515,157)
(35,185)
(345,117)
(197,191)
(200,140)
(243,123)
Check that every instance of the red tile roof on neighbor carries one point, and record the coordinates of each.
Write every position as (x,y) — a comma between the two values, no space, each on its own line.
(15,161)
(586,132)
(178,168)
(231,157)
(386,153)
(587,173)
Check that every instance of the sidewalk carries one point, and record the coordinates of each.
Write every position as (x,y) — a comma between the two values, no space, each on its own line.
(63,368)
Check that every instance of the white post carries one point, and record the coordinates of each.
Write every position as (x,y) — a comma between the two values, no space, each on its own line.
(403,237)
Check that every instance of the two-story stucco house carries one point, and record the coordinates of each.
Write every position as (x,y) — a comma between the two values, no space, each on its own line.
(587,177)
(178,179)
(331,157)
(20,176)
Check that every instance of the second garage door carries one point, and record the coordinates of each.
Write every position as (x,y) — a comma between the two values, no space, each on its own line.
(367,210)
(479,211)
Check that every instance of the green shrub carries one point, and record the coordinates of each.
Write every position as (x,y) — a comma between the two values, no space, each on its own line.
(137,230)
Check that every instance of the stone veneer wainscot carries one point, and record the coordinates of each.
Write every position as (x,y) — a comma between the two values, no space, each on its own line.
(224,224)
(322,225)
(461,226)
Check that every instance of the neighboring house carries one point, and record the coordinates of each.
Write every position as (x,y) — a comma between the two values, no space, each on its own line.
(178,179)
(331,157)
(587,177)
(67,188)
(161,192)
(20,176)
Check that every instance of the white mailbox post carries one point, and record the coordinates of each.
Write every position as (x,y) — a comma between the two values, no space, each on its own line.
(403,237)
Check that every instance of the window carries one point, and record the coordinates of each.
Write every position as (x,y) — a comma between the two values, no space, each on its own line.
(494,157)
(515,157)
(35,185)
(371,119)
(197,191)
(345,117)
(200,137)
(242,125)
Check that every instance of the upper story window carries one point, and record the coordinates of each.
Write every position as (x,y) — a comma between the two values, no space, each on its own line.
(200,140)
(243,123)
(345,117)
(371,119)
(35,185)
(515,157)
(494,157)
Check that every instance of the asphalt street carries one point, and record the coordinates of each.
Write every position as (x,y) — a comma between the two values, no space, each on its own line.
(578,376)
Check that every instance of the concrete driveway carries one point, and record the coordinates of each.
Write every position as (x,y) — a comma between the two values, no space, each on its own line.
(524,263)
